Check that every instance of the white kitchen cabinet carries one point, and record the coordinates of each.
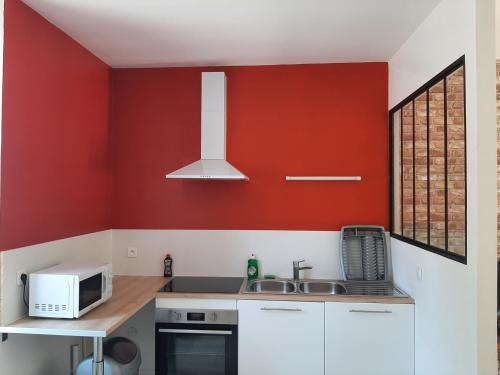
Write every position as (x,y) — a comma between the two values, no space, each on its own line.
(280,338)
(369,338)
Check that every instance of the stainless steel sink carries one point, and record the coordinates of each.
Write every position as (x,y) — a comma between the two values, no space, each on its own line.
(285,286)
(271,286)
(321,287)
(325,287)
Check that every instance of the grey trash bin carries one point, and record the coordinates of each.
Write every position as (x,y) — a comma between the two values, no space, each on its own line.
(121,357)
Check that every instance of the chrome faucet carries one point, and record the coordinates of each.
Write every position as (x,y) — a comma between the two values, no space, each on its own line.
(297,269)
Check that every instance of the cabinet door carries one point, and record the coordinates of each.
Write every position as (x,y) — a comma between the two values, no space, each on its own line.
(365,338)
(280,338)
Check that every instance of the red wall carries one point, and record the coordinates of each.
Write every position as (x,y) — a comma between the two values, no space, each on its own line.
(282,120)
(56,177)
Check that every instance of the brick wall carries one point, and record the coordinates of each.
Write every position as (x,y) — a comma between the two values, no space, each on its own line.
(407,157)
(431,195)
(456,163)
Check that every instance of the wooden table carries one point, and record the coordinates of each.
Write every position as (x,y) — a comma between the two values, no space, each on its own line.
(130,294)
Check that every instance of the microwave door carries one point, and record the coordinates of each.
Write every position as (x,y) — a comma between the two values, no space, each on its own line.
(90,292)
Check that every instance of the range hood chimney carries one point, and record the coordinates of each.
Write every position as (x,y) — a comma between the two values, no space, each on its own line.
(213,164)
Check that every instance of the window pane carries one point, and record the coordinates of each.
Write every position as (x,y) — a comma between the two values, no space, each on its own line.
(456,161)
(436,165)
(421,217)
(407,157)
(396,173)
(429,197)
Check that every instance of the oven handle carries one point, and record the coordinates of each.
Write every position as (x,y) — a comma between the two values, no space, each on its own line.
(195,331)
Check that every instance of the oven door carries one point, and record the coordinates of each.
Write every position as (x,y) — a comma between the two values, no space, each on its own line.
(196,349)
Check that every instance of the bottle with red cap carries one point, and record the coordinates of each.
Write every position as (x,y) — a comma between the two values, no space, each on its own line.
(168,263)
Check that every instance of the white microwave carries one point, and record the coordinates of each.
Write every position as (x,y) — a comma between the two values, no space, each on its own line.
(69,290)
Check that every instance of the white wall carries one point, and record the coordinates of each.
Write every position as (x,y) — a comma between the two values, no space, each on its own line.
(455,303)
(443,37)
(41,355)
(497,28)
(444,316)
(484,161)
(1,98)
(36,355)
(225,252)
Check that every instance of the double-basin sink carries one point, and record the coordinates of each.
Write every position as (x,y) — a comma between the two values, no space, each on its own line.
(285,286)
(324,287)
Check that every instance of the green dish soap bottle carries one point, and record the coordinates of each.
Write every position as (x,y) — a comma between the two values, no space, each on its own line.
(253,268)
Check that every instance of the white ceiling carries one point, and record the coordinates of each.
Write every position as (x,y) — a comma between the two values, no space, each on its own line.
(151,33)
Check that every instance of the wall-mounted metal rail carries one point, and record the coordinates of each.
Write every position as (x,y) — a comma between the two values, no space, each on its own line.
(323,178)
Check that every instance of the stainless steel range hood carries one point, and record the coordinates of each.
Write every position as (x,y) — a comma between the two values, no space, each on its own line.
(213,164)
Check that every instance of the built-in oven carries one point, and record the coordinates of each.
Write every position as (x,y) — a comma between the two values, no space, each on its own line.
(196,342)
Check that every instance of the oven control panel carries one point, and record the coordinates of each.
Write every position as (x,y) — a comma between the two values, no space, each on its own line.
(196,316)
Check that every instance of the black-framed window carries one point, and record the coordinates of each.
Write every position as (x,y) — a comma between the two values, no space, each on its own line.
(428,165)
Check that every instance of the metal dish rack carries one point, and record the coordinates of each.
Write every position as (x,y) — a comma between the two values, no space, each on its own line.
(363,253)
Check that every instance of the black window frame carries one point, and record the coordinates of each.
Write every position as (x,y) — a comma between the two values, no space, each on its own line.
(424,89)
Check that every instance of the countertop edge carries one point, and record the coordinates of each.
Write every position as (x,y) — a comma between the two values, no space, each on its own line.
(290,297)
(242,295)
(130,294)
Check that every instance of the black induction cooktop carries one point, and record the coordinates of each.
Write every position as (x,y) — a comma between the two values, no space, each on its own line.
(194,284)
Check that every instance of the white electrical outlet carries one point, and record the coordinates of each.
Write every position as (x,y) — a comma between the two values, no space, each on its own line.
(132,252)
(419,274)
(18,275)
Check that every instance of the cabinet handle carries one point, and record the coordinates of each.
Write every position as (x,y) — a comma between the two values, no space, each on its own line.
(371,311)
(278,309)
(195,331)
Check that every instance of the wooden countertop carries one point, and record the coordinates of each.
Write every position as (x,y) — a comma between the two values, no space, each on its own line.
(241,295)
(130,294)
